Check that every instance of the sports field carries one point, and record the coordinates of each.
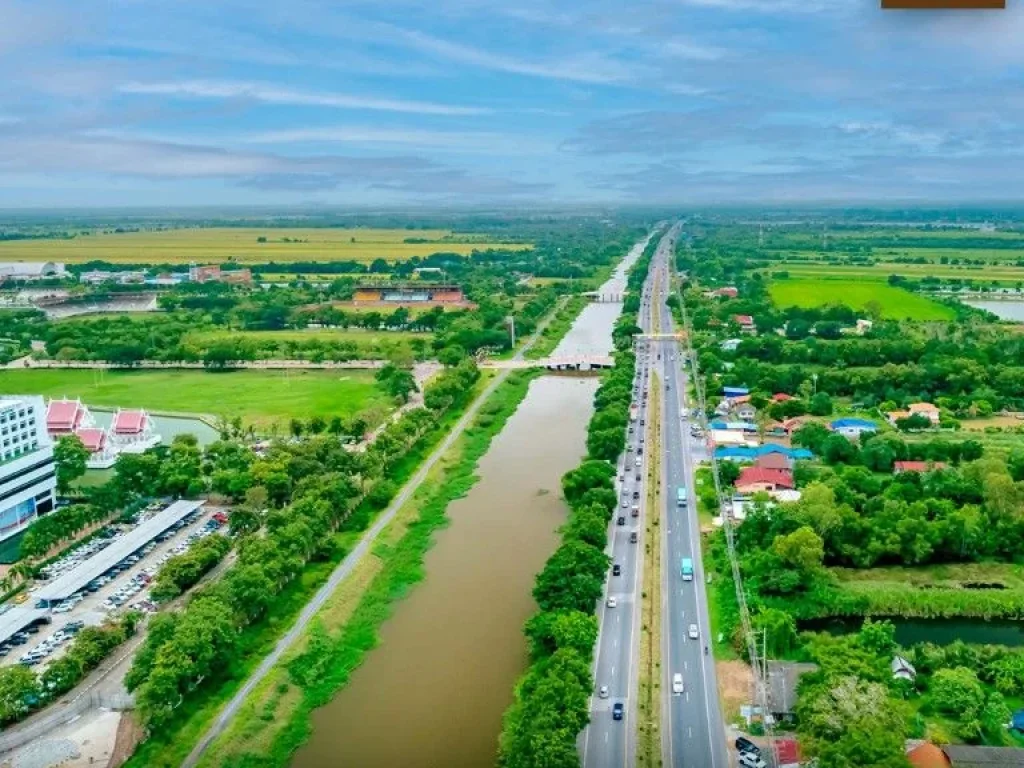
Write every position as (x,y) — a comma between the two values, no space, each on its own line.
(262,397)
(895,303)
(220,245)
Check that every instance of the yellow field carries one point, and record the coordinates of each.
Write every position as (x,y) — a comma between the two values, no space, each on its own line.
(218,245)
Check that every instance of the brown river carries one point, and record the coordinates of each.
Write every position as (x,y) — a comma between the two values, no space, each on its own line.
(432,694)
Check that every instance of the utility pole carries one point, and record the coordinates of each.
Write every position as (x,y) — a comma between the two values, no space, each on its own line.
(512,329)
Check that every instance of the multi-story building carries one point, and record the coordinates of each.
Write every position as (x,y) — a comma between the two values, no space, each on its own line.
(28,474)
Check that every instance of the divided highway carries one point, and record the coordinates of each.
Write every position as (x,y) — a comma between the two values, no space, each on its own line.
(607,742)
(692,728)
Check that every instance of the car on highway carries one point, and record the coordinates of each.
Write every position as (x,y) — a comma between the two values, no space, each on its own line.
(633,537)
(743,744)
(616,570)
(618,711)
(677,683)
(612,602)
(638,477)
(625,503)
(602,692)
(694,634)
(621,520)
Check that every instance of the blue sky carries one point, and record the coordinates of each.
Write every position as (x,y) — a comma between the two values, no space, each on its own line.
(136,102)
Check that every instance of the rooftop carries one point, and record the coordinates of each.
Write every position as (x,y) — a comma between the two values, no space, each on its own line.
(129,422)
(92,438)
(105,559)
(753,475)
(63,414)
(852,422)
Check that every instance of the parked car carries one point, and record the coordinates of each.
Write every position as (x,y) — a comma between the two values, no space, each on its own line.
(743,744)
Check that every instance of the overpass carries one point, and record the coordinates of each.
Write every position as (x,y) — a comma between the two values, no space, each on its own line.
(606,296)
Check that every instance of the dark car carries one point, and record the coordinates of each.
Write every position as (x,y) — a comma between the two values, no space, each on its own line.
(744,744)
(638,478)
(622,521)
(618,710)
(632,538)
(616,569)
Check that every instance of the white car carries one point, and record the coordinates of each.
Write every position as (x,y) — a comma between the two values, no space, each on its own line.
(612,602)
(694,634)
(677,683)
(602,692)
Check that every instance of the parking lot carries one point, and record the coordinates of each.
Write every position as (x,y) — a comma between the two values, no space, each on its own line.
(124,586)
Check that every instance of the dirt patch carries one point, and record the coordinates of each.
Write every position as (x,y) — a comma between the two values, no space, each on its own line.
(735,686)
(129,734)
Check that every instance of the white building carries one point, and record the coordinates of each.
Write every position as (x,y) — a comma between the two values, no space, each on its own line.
(28,474)
(31,270)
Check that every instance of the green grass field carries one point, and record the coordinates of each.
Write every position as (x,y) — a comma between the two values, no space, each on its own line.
(261,397)
(881,271)
(309,334)
(218,245)
(896,303)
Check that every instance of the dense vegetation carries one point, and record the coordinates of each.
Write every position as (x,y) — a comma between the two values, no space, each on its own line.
(815,558)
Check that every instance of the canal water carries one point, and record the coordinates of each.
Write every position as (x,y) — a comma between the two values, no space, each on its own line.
(939,631)
(1005,310)
(433,692)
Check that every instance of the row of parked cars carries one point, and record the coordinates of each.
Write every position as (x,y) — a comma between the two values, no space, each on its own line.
(45,648)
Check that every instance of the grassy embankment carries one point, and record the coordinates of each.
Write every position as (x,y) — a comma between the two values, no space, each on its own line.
(275,720)
(169,747)
(880,271)
(560,324)
(895,303)
(223,244)
(649,684)
(264,398)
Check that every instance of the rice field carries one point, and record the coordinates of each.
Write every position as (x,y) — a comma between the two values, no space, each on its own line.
(243,245)
(894,303)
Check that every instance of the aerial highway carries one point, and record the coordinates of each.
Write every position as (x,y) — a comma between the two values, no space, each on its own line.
(692,727)
(607,742)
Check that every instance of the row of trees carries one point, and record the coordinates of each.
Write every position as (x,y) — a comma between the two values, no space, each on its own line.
(550,706)
(295,497)
(184,571)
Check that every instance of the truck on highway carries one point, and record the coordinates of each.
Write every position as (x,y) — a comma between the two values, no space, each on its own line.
(681,496)
(634,411)
(687,569)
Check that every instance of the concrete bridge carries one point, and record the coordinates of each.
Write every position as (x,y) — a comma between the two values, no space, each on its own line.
(567,363)
(606,296)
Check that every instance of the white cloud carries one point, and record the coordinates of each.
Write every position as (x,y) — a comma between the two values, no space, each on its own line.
(460,141)
(271,94)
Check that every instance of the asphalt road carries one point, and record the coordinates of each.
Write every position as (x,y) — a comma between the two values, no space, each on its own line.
(693,733)
(606,742)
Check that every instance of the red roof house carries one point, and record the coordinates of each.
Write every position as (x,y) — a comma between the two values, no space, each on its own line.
(129,422)
(787,753)
(781,397)
(93,438)
(729,291)
(773,461)
(64,416)
(753,479)
(917,466)
(927,755)
(743,320)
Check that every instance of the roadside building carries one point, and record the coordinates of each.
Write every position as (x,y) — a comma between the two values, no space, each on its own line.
(28,474)
(900,467)
(734,392)
(727,292)
(746,412)
(774,461)
(926,755)
(893,416)
(728,437)
(783,679)
(781,397)
(864,326)
(852,428)
(745,322)
(729,345)
(789,426)
(970,756)
(755,479)
(929,411)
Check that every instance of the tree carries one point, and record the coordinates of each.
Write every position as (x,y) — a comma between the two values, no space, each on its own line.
(572,579)
(588,475)
(728,473)
(70,455)
(397,382)
(803,549)
(820,405)
(19,692)
(957,692)
(836,449)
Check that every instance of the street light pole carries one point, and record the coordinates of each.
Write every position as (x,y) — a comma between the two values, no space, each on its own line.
(512,329)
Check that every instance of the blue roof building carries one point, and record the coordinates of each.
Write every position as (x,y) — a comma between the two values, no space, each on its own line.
(735,391)
(747,453)
(852,427)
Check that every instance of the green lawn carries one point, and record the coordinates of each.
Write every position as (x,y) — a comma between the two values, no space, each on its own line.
(263,397)
(895,303)
(310,334)
(881,271)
